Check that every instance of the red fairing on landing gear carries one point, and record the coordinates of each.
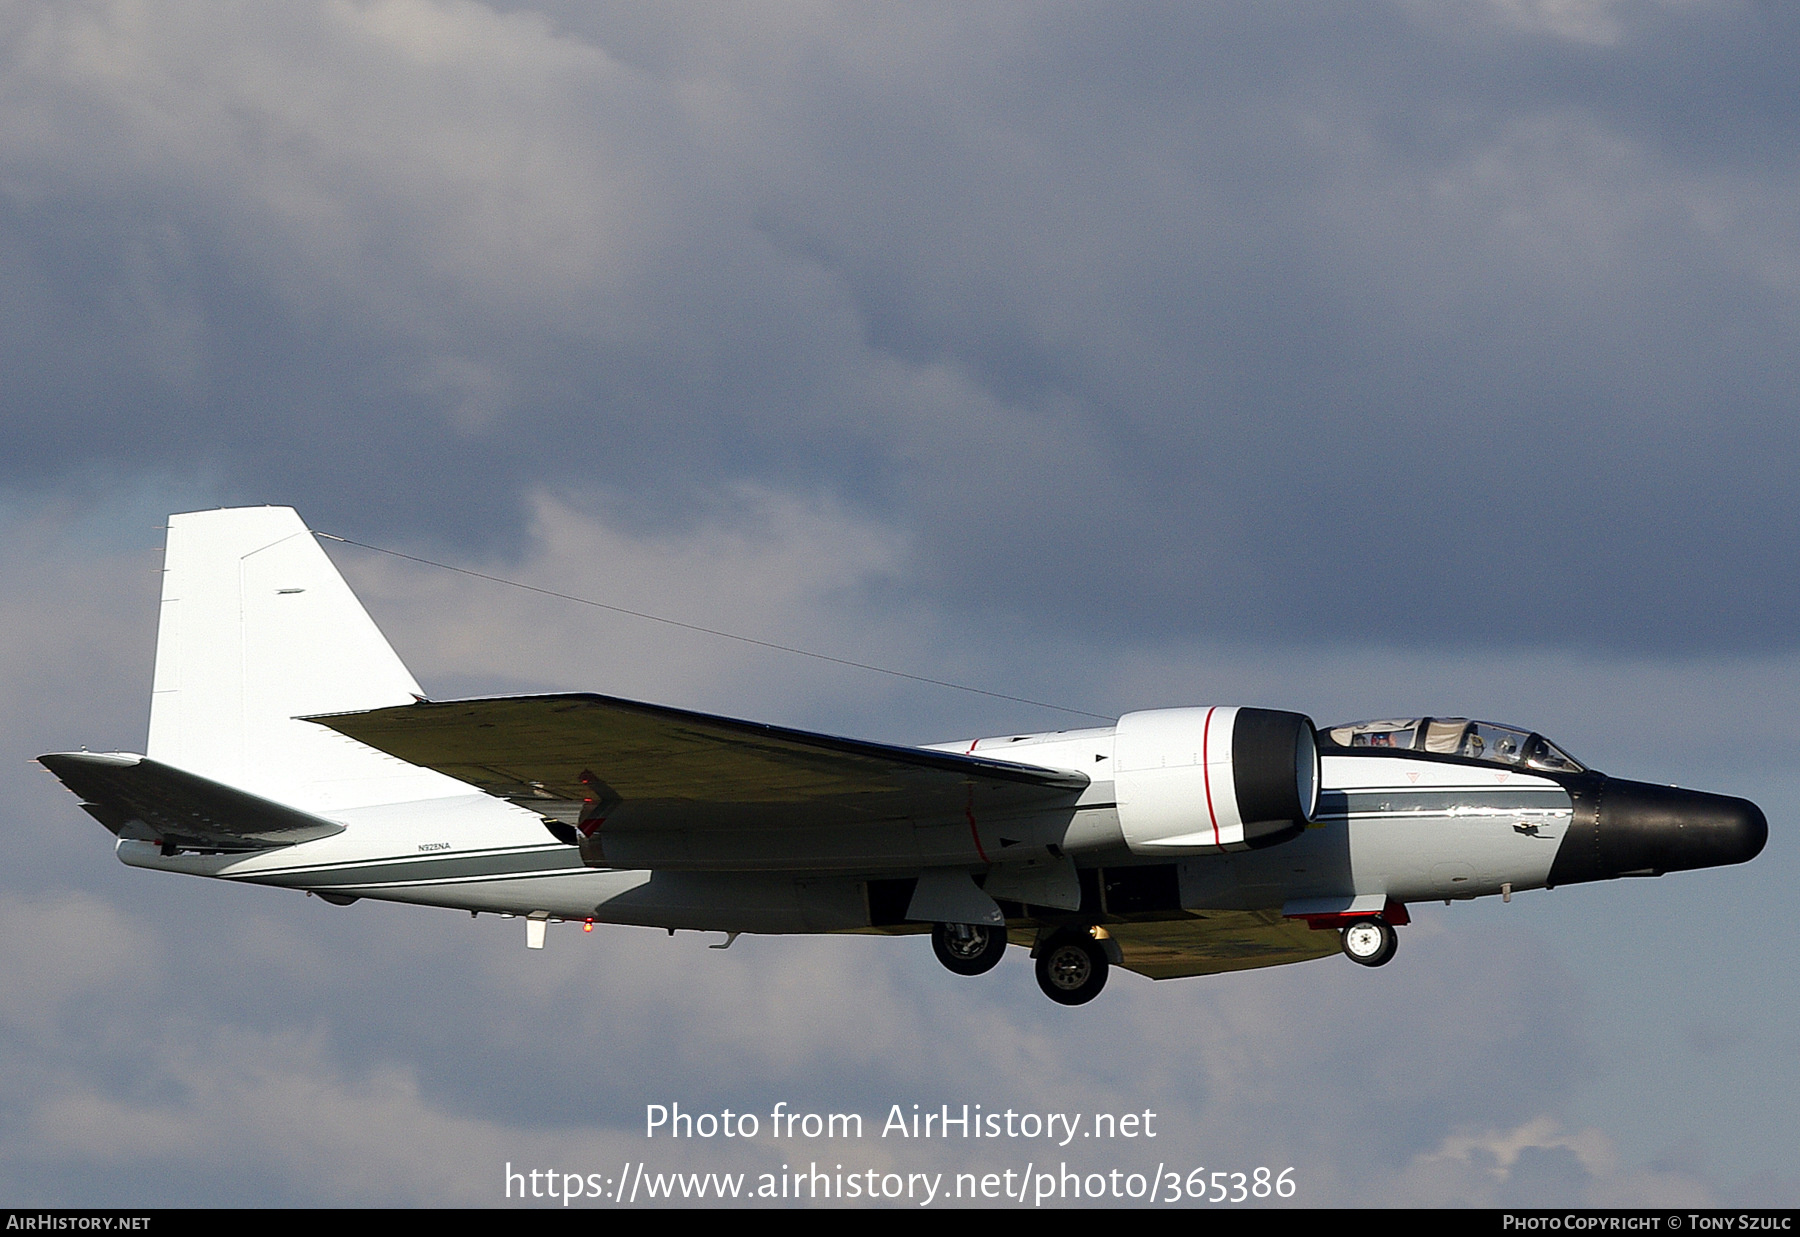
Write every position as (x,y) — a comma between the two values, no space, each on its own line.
(1193,781)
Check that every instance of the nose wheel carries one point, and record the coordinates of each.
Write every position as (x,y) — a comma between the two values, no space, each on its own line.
(1370,942)
(968,948)
(1072,969)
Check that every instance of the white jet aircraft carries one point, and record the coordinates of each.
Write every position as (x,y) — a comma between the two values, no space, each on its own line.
(289,746)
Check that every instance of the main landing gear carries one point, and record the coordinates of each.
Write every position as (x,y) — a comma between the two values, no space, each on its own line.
(968,948)
(1071,964)
(1370,942)
(1071,967)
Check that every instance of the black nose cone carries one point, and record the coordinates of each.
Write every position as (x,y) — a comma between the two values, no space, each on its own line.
(1639,829)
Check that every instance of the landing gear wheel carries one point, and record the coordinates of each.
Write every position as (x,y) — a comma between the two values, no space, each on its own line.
(1370,942)
(1072,969)
(968,948)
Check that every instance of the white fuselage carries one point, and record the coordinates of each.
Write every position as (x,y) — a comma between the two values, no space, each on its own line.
(1386,826)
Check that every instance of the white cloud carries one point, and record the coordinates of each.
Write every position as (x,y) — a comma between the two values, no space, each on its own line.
(63,946)
(1491,1168)
(779,567)
(1583,21)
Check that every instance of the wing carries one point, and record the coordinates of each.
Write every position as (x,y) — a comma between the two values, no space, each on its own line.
(1214,941)
(648,769)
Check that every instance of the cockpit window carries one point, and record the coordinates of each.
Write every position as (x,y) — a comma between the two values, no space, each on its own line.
(1543,754)
(1459,736)
(1391,733)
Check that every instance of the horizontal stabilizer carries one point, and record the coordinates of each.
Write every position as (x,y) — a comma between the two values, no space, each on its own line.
(179,808)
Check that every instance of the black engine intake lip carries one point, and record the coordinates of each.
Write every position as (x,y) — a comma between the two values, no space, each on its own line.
(1275,767)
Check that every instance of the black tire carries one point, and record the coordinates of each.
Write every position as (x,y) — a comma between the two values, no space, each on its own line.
(1071,969)
(968,948)
(1370,942)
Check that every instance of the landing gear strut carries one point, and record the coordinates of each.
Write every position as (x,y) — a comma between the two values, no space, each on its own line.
(968,948)
(1370,942)
(1071,968)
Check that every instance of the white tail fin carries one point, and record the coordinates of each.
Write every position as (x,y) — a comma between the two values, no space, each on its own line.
(258,629)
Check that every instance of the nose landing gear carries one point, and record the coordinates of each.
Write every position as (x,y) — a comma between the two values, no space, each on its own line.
(1370,942)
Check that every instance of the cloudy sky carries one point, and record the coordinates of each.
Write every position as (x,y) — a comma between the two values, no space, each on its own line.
(1363,359)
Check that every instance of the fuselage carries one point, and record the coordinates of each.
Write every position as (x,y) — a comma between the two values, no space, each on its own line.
(1389,825)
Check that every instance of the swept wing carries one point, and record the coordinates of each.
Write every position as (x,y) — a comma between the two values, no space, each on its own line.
(691,789)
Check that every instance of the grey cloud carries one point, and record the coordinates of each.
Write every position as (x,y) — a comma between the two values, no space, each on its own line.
(1290,324)
(1122,360)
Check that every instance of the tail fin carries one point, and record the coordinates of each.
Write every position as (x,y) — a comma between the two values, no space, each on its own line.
(258,629)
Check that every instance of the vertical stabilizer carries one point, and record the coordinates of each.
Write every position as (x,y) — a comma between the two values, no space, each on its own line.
(258,629)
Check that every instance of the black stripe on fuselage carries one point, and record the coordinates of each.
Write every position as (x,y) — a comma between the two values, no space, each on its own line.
(432,869)
(1437,801)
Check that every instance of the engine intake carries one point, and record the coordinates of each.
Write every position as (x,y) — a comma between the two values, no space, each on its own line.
(1190,781)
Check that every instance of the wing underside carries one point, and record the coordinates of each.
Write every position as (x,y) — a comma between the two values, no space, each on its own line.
(1211,942)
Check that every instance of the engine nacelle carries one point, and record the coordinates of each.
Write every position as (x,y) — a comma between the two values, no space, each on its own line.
(1193,781)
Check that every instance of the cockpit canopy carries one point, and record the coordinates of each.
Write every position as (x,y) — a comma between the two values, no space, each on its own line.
(1458,736)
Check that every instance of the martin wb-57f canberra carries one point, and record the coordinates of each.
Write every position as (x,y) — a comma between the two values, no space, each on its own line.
(289,746)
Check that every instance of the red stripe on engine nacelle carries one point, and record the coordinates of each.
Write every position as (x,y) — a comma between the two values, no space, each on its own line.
(1206,774)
